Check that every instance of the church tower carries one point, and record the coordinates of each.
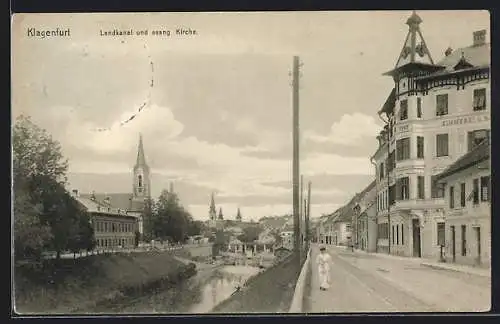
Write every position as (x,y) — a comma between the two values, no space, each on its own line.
(142,181)
(212,213)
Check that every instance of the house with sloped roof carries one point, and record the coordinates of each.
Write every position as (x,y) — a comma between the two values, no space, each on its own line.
(113,227)
(465,232)
(436,112)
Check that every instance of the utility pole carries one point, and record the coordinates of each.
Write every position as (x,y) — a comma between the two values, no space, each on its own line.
(308,214)
(302,211)
(296,161)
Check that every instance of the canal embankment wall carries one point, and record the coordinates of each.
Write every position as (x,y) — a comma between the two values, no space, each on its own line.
(77,285)
(270,291)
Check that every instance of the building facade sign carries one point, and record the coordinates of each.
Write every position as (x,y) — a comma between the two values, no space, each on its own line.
(465,120)
(403,128)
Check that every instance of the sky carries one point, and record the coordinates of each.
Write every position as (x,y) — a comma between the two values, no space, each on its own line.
(215,108)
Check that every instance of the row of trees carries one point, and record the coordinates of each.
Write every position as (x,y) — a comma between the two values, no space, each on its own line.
(46,217)
(167,219)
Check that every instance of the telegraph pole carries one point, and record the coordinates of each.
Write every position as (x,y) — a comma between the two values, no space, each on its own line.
(296,167)
(302,211)
(308,214)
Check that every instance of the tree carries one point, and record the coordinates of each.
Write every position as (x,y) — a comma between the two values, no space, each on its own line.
(171,220)
(43,210)
(194,228)
(250,234)
(148,219)
(30,236)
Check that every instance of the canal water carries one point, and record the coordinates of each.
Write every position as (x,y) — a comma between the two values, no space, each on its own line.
(199,294)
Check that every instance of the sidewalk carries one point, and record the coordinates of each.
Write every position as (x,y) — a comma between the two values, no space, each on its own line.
(483,272)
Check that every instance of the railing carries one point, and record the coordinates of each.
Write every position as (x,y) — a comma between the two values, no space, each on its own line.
(298,295)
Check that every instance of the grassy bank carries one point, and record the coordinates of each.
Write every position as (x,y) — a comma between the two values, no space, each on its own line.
(79,285)
(270,291)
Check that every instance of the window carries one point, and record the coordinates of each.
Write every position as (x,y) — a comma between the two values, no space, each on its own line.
(420,147)
(403,149)
(441,234)
(403,110)
(437,188)
(403,188)
(441,145)
(402,235)
(419,107)
(383,230)
(441,105)
(462,194)
(479,99)
(392,195)
(381,170)
(464,240)
(485,188)
(477,137)
(397,234)
(140,180)
(475,191)
(452,197)
(421,187)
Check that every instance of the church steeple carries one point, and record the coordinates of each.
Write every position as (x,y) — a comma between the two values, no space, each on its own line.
(141,183)
(238,215)
(212,211)
(141,159)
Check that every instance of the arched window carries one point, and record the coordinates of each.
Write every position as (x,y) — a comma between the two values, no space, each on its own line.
(140,180)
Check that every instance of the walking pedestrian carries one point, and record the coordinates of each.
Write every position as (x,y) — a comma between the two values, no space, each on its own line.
(323,261)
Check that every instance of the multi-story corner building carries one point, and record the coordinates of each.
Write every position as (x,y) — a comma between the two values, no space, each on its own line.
(435,113)
(466,233)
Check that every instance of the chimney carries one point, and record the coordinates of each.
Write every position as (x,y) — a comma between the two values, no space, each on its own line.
(479,37)
(75,193)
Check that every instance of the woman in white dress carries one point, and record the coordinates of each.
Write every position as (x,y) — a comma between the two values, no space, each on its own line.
(323,261)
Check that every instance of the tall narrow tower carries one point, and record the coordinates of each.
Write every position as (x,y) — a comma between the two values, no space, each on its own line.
(212,213)
(142,181)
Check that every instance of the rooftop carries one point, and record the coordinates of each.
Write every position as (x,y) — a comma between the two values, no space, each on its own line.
(478,154)
(116,200)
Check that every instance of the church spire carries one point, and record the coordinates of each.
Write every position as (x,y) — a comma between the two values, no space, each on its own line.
(141,159)
(238,215)
(141,183)
(212,212)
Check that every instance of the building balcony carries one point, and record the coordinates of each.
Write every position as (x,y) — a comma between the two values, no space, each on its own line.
(479,210)
(433,203)
(409,164)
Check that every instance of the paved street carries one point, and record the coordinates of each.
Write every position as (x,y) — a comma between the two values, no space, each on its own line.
(371,283)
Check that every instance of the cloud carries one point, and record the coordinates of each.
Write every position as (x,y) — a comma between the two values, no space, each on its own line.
(350,130)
